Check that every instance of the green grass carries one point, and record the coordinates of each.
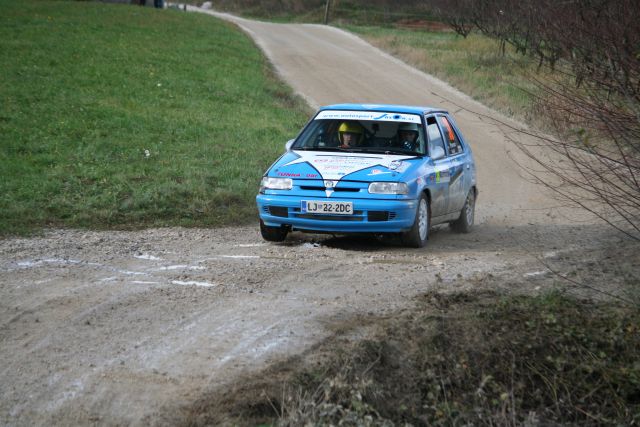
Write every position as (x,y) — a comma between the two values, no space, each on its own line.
(475,65)
(117,116)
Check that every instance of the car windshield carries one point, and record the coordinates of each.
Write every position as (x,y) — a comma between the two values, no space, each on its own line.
(364,132)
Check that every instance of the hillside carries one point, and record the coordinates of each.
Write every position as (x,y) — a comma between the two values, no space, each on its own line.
(116,116)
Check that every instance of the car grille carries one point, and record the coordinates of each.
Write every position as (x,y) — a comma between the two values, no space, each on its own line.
(358,216)
(279,211)
(335,189)
(377,216)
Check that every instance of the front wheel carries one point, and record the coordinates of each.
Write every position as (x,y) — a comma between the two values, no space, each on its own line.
(465,222)
(417,236)
(273,234)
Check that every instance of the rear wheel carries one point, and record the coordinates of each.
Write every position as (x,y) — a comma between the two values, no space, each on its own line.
(465,222)
(273,234)
(419,233)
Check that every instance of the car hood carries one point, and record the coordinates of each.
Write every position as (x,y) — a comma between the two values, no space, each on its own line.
(337,166)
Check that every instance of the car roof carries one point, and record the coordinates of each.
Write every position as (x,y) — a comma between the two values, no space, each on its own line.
(391,108)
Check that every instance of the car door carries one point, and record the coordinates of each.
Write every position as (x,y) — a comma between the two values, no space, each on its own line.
(438,179)
(457,164)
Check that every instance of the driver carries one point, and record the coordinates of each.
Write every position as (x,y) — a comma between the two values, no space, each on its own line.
(350,134)
(407,137)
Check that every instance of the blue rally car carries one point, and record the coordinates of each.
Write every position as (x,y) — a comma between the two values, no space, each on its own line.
(358,168)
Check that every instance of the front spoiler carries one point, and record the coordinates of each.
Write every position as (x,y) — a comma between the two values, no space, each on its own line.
(402,217)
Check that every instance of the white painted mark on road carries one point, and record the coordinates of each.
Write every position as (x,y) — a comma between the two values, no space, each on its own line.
(29,264)
(192,283)
(240,256)
(132,273)
(148,257)
(182,267)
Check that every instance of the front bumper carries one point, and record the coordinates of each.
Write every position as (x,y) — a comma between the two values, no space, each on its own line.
(370,215)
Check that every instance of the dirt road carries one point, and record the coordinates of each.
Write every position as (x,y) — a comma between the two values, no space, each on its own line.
(133,327)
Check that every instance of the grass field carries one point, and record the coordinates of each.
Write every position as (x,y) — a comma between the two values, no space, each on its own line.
(117,116)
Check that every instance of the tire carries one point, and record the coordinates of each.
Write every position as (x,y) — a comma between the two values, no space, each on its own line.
(417,236)
(273,234)
(464,223)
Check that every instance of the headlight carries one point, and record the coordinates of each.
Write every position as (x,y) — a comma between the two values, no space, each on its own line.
(269,183)
(388,188)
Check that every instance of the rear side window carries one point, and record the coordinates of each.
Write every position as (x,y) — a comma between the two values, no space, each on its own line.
(453,142)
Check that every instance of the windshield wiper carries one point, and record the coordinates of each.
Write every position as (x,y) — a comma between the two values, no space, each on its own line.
(391,151)
(376,150)
(362,150)
(321,149)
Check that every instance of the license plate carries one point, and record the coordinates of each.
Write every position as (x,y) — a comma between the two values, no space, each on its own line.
(321,207)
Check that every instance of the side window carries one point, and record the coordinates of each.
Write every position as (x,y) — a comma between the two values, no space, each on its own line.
(452,139)
(434,135)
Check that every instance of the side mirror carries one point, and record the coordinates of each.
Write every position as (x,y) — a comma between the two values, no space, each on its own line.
(437,153)
(287,146)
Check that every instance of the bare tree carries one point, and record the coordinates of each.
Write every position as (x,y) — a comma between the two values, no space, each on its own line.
(458,14)
(593,103)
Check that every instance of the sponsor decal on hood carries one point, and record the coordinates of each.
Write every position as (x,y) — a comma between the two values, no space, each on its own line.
(336,166)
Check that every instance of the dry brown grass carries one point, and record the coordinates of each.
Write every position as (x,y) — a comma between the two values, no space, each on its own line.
(473,65)
(463,359)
